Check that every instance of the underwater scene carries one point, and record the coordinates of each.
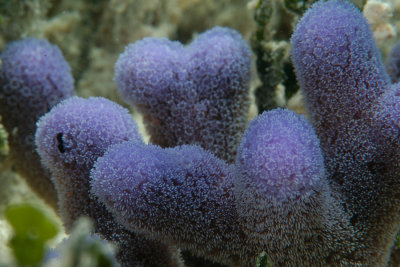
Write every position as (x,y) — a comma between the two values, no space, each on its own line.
(199,133)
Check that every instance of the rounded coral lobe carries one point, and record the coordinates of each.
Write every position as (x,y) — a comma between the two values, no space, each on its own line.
(195,94)
(181,195)
(77,131)
(34,76)
(138,181)
(341,75)
(280,156)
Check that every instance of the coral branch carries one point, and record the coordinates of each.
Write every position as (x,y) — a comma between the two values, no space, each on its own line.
(69,140)
(34,76)
(190,95)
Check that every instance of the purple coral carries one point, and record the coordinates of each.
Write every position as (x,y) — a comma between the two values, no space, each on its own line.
(78,131)
(278,197)
(190,95)
(282,193)
(181,195)
(341,74)
(186,196)
(284,200)
(69,140)
(393,63)
(34,76)
(354,110)
(280,154)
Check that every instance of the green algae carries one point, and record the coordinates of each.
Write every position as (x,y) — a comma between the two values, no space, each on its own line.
(32,230)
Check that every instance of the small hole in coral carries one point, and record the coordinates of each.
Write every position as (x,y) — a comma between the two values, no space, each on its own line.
(60,141)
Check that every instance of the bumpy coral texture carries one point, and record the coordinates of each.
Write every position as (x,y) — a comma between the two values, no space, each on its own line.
(354,110)
(299,212)
(280,153)
(69,140)
(34,76)
(282,194)
(393,63)
(78,131)
(181,195)
(341,74)
(190,95)
(187,196)
(303,202)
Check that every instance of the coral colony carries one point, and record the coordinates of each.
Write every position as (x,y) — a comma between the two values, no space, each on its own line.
(190,95)
(34,76)
(69,140)
(323,193)
(354,109)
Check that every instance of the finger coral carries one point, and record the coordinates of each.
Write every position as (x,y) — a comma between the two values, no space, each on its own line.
(328,198)
(190,95)
(71,137)
(69,140)
(34,76)
(230,214)
(354,109)
(183,195)
(318,193)
(282,193)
